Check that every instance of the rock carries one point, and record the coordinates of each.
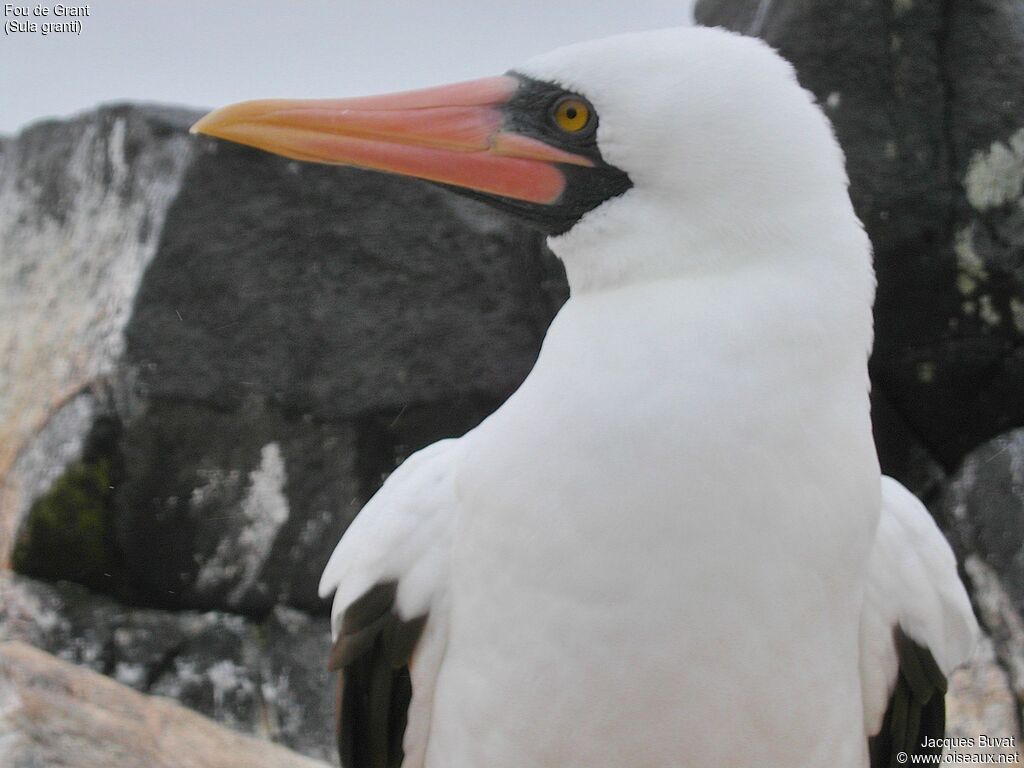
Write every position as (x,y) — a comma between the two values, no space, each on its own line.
(268,679)
(900,452)
(80,627)
(82,206)
(1004,623)
(980,702)
(297,691)
(210,357)
(215,670)
(60,715)
(246,505)
(983,505)
(925,97)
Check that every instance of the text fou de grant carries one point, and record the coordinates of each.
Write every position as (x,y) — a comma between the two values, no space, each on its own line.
(64,11)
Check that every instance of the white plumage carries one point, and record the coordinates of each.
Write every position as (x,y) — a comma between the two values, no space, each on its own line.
(911,583)
(672,545)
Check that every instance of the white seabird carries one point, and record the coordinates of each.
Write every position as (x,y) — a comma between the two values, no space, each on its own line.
(672,546)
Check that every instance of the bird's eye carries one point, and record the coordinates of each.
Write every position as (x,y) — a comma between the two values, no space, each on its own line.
(571,114)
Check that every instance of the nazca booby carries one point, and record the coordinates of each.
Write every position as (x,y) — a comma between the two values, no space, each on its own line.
(672,546)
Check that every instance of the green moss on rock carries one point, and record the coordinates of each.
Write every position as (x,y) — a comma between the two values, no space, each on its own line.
(68,533)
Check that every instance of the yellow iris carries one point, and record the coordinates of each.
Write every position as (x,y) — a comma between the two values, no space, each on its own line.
(572,115)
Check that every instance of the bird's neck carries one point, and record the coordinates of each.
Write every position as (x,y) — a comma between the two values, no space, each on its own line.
(794,316)
(639,239)
(649,293)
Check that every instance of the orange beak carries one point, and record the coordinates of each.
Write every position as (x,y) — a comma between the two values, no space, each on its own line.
(451,134)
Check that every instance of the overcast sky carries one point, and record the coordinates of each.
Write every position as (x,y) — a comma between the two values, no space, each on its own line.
(204,53)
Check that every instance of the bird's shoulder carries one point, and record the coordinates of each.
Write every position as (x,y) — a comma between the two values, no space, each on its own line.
(389,575)
(917,626)
(401,532)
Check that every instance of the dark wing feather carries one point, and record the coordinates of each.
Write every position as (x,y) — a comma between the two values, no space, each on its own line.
(917,709)
(372,653)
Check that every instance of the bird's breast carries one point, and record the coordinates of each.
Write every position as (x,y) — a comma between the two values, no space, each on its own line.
(650,517)
(662,419)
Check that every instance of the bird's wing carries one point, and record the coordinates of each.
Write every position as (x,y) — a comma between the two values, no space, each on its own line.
(389,574)
(917,626)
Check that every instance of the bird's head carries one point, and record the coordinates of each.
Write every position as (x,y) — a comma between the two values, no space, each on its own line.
(640,155)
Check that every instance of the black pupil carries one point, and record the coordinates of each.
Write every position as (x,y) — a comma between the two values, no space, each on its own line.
(571,113)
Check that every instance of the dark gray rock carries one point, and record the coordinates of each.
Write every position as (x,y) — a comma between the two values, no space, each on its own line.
(238,509)
(1004,624)
(332,292)
(297,690)
(215,670)
(983,506)
(82,204)
(58,715)
(925,96)
(269,678)
(81,627)
(264,339)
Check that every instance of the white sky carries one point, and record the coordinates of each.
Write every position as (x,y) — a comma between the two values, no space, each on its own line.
(204,53)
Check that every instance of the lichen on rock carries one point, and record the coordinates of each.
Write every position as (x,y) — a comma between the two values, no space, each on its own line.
(995,176)
(68,531)
(66,535)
